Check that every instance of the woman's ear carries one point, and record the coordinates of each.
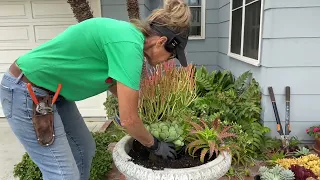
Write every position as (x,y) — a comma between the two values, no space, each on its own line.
(162,41)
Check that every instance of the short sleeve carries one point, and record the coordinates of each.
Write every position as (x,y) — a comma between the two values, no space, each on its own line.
(125,61)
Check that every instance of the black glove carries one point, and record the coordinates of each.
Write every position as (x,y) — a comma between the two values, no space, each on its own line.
(163,149)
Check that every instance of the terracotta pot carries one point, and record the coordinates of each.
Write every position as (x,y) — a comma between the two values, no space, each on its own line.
(316,146)
(317,143)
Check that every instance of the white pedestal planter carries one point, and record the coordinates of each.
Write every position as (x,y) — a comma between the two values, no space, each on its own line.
(210,171)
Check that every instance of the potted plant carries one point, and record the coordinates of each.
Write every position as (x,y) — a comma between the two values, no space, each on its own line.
(314,131)
(166,93)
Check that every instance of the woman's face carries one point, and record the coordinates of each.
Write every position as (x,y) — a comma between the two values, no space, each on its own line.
(154,50)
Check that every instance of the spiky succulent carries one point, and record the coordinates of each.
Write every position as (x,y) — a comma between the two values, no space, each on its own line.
(168,132)
(208,139)
(275,173)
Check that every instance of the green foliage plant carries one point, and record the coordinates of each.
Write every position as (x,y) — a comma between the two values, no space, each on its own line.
(241,153)
(208,138)
(232,99)
(111,106)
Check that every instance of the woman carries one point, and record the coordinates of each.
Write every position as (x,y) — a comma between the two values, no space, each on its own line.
(88,58)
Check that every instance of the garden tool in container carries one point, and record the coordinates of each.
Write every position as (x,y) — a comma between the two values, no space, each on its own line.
(42,116)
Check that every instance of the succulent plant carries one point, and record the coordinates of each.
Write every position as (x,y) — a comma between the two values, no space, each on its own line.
(275,173)
(302,152)
(311,162)
(172,132)
(207,139)
(302,172)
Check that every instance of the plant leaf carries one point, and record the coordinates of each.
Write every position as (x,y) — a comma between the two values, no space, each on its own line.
(196,126)
(203,154)
(225,135)
(212,146)
(191,145)
(225,129)
(197,148)
(204,123)
(216,123)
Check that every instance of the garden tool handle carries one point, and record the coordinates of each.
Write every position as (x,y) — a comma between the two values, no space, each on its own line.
(55,97)
(271,94)
(287,93)
(33,96)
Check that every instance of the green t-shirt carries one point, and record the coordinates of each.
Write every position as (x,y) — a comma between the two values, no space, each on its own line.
(84,56)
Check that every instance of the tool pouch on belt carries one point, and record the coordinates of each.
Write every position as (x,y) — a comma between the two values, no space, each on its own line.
(43,122)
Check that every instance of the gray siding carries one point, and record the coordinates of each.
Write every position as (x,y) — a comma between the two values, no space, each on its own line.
(205,51)
(117,9)
(291,38)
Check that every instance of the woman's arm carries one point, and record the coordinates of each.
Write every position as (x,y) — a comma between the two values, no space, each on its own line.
(128,110)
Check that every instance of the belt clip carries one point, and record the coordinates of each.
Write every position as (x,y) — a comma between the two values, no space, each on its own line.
(42,108)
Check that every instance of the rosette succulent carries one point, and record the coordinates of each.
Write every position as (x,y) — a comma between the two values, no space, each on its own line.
(172,132)
(209,138)
(276,173)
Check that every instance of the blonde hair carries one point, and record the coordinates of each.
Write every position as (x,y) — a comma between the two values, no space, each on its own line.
(175,15)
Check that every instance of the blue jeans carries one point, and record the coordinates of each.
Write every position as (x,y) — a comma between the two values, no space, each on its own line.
(70,156)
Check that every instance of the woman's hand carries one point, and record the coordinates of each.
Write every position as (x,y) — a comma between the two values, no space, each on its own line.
(163,149)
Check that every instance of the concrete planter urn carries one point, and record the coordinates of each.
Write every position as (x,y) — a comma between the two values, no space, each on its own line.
(212,170)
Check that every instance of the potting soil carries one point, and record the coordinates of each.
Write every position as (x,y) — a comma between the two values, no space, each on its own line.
(140,156)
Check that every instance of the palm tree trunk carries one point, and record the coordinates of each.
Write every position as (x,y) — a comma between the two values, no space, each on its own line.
(81,9)
(133,9)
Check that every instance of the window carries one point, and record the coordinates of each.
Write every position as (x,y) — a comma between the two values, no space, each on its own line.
(245,30)
(197,29)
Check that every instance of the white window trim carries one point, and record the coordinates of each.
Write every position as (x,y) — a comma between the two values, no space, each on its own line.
(255,62)
(203,22)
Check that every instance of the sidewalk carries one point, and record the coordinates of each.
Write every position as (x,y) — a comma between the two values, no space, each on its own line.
(11,150)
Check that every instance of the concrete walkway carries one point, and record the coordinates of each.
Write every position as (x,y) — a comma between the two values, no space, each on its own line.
(11,150)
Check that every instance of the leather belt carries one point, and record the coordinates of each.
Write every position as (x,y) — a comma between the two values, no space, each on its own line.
(16,71)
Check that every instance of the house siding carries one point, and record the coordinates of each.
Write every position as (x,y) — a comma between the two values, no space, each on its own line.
(288,58)
(117,9)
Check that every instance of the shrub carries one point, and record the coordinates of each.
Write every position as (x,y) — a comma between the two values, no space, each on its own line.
(221,95)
